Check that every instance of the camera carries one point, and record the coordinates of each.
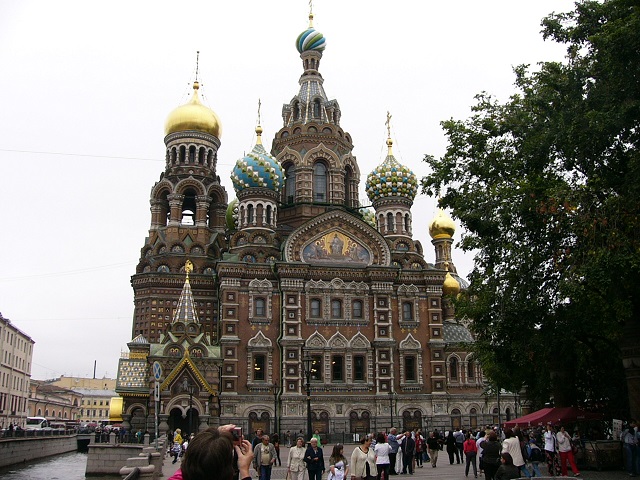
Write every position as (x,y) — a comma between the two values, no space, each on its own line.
(237,434)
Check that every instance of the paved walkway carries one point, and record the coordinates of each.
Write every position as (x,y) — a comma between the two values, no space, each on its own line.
(442,471)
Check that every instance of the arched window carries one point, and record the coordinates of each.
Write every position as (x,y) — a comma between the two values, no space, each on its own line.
(456,418)
(316,108)
(356,309)
(192,154)
(268,214)
(290,184)
(336,309)
(260,307)
(259,367)
(315,307)
(453,368)
(348,179)
(250,214)
(406,223)
(471,370)
(407,311)
(390,222)
(320,182)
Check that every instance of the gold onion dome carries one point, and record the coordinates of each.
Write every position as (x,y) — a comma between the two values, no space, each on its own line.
(193,115)
(450,286)
(442,225)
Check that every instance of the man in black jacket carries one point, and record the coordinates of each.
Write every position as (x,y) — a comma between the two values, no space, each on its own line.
(314,459)
(408,451)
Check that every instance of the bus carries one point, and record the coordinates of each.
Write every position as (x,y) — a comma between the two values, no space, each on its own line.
(37,423)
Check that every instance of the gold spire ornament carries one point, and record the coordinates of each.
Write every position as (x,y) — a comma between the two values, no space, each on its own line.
(259,126)
(310,13)
(389,141)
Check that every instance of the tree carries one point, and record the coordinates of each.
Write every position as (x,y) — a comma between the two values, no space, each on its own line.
(547,187)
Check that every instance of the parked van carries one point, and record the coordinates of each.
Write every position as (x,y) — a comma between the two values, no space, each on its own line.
(58,427)
(37,423)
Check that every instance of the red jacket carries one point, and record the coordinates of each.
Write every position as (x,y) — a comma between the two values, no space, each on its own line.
(469,446)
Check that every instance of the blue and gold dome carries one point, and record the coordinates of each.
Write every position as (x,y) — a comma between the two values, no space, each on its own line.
(391,179)
(310,39)
(257,169)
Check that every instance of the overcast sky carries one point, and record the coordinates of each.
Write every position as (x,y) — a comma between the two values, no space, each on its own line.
(86,87)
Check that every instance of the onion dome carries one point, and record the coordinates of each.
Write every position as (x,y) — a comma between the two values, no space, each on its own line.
(257,169)
(369,216)
(391,179)
(442,225)
(450,285)
(193,115)
(231,216)
(310,39)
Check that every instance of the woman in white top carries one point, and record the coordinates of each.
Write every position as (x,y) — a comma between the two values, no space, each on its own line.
(338,465)
(550,449)
(363,460)
(566,453)
(295,465)
(382,450)
(511,445)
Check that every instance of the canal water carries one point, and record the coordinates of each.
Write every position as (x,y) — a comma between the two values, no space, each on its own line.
(68,466)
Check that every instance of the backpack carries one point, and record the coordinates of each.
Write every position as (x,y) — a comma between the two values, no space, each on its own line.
(534,454)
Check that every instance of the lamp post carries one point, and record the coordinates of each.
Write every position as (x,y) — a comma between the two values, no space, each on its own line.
(188,387)
(307,373)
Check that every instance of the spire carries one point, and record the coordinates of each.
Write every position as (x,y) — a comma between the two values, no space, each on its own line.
(186,310)
(389,141)
(259,127)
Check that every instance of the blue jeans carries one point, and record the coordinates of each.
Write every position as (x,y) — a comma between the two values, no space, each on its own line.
(265,472)
(536,469)
(525,470)
(631,458)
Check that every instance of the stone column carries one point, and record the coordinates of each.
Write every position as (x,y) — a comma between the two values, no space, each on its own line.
(204,423)
(202,207)
(175,207)
(163,425)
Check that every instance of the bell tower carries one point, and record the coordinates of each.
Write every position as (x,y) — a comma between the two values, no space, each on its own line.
(188,206)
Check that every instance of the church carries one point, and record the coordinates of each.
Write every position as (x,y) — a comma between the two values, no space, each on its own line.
(292,306)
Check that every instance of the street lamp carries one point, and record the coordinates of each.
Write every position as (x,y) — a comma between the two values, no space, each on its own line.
(188,387)
(308,361)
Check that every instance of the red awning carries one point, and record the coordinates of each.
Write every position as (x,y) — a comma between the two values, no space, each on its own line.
(554,416)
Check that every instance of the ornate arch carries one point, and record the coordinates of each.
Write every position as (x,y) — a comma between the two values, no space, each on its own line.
(316,340)
(337,341)
(259,341)
(321,152)
(289,155)
(159,188)
(189,182)
(359,342)
(347,227)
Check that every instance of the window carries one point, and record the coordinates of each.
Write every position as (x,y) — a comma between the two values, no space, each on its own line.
(290,184)
(316,368)
(356,309)
(453,368)
(315,307)
(258,367)
(319,182)
(269,214)
(358,368)
(336,309)
(260,307)
(407,312)
(390,222)
(410,369)
(337,368)
(250,214)
(471,370)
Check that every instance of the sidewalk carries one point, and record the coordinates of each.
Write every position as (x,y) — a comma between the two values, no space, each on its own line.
(442,471)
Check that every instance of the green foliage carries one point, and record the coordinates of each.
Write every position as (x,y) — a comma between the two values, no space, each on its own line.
(547,187)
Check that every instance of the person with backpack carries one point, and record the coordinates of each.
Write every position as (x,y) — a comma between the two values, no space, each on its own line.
(534,457)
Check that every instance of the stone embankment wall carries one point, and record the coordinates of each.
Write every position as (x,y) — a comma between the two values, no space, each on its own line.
(20,450)
(106,459)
